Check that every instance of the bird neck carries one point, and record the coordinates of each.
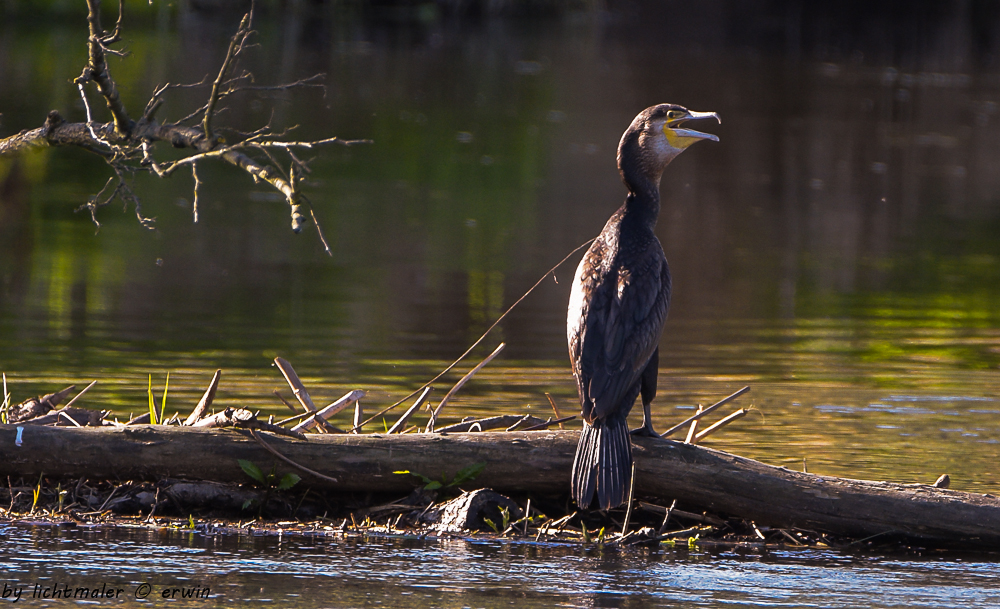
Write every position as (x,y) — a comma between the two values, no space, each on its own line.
(642,206)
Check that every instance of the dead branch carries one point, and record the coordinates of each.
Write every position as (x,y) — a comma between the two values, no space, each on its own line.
(704,412)
(206,400)
(128,145)
(462,381)
(293,381)
(401,423)
(328,411)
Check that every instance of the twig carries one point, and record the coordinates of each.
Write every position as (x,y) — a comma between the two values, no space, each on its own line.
(693,429)
(699,415)
(555,409)
(293,381)
(662,536)
(290,407)
(458,385)
(659,509)
(206,400)
(358,415)
(69,418)
(319,231)
(197,185)
(519,422)
(490,329)
(238,38)
(97,68)
(156,504)
(739,414)
(401,422)
(504,421)
(628,511)
(294,418)
(113,491)
(77,396)
(546,424)
(274,452)
(328,411)
(666,518)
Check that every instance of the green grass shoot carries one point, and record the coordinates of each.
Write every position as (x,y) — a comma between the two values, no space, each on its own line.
(36,493)
(163,402)
(152,402)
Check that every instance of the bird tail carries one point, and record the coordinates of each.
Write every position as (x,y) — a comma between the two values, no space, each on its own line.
(603,463)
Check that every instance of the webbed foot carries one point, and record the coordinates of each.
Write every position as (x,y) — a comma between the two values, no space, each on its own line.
(646,431)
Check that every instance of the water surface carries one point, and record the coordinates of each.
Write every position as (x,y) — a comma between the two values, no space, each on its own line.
(326,571)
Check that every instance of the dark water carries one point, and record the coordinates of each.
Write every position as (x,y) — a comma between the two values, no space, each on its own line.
(324,571)
(838,249)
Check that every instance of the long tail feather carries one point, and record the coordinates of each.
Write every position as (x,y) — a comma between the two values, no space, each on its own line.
(603,464)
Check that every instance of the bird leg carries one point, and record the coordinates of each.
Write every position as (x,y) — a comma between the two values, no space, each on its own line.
(647,423)
(647,389)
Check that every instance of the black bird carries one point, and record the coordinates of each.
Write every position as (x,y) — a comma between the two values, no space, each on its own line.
(619,301)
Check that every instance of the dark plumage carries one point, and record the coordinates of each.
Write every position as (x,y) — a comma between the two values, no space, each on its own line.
(619,301)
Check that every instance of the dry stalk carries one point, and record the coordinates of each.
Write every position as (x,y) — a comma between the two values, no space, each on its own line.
(458,385)
(206,400)
(699,415)
(401,422)
(739,414)
(293,381)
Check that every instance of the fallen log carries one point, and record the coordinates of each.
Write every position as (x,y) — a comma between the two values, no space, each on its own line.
(699,478)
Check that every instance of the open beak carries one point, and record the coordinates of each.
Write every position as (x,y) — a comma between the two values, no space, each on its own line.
(675,125)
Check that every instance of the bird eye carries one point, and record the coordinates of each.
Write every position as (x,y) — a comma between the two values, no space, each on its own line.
(674,114)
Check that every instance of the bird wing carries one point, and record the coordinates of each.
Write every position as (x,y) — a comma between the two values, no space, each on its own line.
(619,329)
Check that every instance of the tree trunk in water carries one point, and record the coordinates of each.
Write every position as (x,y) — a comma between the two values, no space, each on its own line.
(698,477)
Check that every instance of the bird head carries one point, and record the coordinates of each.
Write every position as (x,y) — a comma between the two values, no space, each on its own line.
(655,137)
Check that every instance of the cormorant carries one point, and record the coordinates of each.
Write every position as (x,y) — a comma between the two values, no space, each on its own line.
(619,301)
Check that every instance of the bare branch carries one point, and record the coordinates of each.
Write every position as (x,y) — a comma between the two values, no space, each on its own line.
(97,69)
(197,183)
(326,246)
(235,44)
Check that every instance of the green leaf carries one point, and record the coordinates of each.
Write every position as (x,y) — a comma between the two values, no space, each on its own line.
(467,474)
(152,402)
(432,485)
(163,402)
(288,481)
(247,503)
(422,477)
(251,470)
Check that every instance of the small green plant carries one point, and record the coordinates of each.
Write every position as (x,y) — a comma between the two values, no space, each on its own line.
(504,523)
(152,402)
(464,475)
(269,480)
(154,417)
(36,493)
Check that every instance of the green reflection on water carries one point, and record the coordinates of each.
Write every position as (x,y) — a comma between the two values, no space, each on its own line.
(484,171)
